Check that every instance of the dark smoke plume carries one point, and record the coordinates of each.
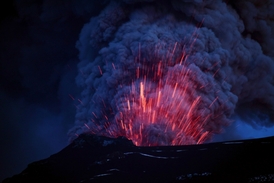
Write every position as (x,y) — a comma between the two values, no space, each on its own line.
(229,58)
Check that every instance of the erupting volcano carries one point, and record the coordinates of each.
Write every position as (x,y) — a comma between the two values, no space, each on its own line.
(163,103)
(161,73)
(171,73)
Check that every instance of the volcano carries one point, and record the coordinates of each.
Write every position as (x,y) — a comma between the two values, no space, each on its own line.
(91,158)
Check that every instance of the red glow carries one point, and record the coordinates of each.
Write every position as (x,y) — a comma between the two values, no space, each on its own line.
(161,108)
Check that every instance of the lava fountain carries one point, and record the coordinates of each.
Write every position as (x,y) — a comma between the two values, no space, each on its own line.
(167,101)
(161,104)
(161,108)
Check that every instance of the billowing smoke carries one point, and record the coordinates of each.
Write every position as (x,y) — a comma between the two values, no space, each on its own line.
(217,51)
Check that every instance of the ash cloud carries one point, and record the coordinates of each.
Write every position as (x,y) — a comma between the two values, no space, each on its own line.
(228,44)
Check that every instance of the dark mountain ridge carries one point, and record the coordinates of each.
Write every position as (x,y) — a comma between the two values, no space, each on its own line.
(92,158)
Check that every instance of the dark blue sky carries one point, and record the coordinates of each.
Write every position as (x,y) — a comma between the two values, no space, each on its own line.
(38,71)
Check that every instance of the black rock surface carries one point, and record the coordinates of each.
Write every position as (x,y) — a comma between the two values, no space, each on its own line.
(93,158)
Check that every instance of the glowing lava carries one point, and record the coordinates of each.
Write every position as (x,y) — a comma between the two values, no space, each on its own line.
(161,107)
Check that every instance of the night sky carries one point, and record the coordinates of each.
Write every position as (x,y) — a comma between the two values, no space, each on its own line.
(50,52)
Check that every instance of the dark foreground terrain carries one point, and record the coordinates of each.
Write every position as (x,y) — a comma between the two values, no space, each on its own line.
(93,158)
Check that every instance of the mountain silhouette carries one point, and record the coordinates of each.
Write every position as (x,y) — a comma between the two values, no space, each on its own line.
(91,158)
